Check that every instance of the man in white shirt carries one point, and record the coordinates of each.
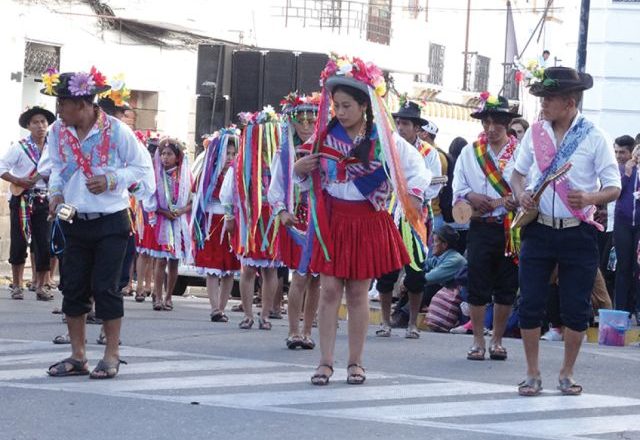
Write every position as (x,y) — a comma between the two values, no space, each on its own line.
(564,232)
(481,179)
(28,205)
(409,123)
(94,159)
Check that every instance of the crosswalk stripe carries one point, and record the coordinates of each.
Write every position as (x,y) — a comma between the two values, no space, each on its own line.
(177,383)
(484,407)
(364,393)
(171,366)
(567,427)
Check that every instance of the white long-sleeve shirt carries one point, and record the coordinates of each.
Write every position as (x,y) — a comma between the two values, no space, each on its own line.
(15,161)
(468,176)
(433,164)
(127,160)
(593,166)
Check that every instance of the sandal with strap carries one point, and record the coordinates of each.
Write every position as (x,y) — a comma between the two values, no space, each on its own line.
(356,378)
(476,353)
(384,331)
(294,342)
(321,379)
(497,353)
(168,306)
(264,325)
(246,323)
(140,296)
(110,369)
(219,316)
(308,343)
(43,295)
(412,334)
(78,368)
(569,387)
(530,387)
(17,293)
(157,304)
(62,339)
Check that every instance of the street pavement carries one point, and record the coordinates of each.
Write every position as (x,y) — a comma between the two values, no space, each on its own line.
(188,378)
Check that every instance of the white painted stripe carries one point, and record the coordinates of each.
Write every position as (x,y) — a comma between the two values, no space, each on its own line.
(567,427)
(177,383)
(351,394)
(484,407)
(155,367)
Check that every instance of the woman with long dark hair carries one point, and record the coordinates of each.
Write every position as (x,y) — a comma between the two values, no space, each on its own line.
(356,162)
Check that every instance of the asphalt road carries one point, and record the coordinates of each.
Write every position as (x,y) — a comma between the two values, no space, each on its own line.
(189,378)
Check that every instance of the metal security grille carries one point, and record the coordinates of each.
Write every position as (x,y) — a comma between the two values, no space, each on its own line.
(436,63)
(510,90)
(481,80)
(39,57)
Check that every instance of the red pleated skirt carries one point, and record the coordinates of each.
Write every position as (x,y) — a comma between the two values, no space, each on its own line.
(290,252)
(366,243)
(256,253)
(148,240)
(216,255)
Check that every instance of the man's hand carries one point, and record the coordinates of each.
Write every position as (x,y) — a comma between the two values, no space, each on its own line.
(54,201)
(167,214)
(416,203)
(511,204)
(305,165)
(480,202)
(601,216)
(287,219)
(229,225)
(97,184)
(579,199)
(25,182)
(629,166)
(526,201)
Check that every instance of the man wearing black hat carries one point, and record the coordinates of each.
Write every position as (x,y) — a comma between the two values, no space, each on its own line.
(29,205)
(564,232)
(94,159)
(481,178)
(408,122)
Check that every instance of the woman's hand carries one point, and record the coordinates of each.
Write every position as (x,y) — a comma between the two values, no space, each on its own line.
(287,219)
(305,165)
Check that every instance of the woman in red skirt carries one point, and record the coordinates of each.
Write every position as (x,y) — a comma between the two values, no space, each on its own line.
(248,214)
(291,205)
(213,254)
(356,162)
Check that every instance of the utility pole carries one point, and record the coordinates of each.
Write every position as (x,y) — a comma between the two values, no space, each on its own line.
(466,72)
(581,59)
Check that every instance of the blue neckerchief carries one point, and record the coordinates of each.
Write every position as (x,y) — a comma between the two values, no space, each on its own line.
(569,145)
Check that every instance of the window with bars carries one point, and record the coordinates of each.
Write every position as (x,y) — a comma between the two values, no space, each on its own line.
(413,8)
(379,21)
(330,13)
(436,63)
(481,78)
(39,57)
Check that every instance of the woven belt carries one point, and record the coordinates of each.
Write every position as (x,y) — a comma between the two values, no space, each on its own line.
(558,223)
(89,215)
(494,219)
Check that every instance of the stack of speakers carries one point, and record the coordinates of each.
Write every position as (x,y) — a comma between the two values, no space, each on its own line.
(242,80)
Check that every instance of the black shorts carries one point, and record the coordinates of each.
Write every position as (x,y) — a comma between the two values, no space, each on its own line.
(92,264)
(40,233)
(491,275)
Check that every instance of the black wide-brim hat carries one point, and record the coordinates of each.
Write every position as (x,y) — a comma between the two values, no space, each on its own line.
(502,108)
(25,117)
(561,80)
(411,111)
(61,90)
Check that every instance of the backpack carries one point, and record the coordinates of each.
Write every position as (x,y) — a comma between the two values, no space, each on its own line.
(444,309)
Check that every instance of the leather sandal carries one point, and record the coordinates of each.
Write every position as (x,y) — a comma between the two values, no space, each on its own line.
(110,369)
(384,331)
(140,296)
(356,378)
(264,325)
(530,387)
(294,342)
(476,353)
(78,368)
(569,387)
(497,352)
(320,379)
(246,323)
(308,343)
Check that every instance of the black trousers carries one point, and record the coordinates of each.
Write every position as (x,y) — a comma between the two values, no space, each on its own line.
(92,264)
(39,233)
(627,287)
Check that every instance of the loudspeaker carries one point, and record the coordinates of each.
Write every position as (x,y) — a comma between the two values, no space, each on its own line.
(278,77)
(212,57)
(204,124)
(246,85)
(309,67)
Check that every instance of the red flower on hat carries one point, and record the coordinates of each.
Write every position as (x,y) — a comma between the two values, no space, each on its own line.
(485,95)
(98,78)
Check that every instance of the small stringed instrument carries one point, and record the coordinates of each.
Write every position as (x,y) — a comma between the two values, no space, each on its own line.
(526,216)
(462,211)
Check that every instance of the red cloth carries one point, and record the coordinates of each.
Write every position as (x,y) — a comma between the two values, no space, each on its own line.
(290,252)
(366,242)
(257,254)
(148,241)
(216,255)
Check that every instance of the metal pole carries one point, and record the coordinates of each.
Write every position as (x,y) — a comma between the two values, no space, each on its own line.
(466,48)
(581,59)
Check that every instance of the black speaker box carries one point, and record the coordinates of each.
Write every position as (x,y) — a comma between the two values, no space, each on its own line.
(246,84)
(309,67)
(278,77)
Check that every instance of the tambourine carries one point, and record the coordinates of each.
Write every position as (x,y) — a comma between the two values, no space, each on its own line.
(462,211)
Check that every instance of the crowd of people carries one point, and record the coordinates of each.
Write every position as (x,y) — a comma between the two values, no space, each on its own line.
(339,194)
